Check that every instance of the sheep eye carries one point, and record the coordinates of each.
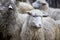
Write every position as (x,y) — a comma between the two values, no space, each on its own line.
(38,2)
(35,16)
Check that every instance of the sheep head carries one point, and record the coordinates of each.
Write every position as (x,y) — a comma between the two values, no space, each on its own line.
(7,11)
(36,17)
(7,7)
(40,4)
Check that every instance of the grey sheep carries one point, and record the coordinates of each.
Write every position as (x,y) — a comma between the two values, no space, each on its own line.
(10,20)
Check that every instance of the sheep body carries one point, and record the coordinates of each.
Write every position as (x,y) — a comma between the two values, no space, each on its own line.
(54,13)
(31,34)
(11,21)
(23,7)
(50,29)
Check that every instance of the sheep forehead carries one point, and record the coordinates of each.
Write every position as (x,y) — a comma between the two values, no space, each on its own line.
(35,4)
(36,12)
(13,1)
(42,1)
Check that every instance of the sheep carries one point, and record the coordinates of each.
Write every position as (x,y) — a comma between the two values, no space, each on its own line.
(58,22)
(43,5)
(10,20)
(32,30)
(39,27)
(23,7)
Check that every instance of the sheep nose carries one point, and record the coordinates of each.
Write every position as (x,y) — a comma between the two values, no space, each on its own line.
(10,7)
(43,4)
(38,26)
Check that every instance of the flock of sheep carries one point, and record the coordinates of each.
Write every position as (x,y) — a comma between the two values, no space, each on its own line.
(23,21)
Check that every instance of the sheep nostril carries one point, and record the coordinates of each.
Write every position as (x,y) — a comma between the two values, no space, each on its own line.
(10,7)
(43,4)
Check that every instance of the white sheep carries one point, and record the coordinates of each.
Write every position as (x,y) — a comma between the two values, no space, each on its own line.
(32,30)
(39,27)
(23,7)
(43,5)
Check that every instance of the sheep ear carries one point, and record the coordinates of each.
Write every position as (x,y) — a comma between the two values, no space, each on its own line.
(28,12)
(45,15)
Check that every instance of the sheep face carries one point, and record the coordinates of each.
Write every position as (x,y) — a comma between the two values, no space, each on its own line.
(7,7)
(42,5)
(36,18)
(35,22)
(7,10)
